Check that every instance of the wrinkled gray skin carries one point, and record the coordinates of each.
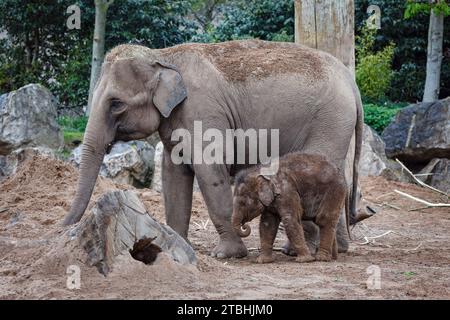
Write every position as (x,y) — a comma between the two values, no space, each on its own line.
(317,110)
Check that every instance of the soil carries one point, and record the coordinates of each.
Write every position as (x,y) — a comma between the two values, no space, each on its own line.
(37,255)
(241,60)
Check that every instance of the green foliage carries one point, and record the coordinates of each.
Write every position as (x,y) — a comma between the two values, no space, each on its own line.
(283,36)
(414,8)
(410,38)
(373,70)
(77,124)
(62,58)
(379,116)
(262,19)
(71,136)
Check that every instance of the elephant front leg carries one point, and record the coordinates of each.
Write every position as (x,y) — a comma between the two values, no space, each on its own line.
(268,227)
(214,183)
(177,182)
(291,211)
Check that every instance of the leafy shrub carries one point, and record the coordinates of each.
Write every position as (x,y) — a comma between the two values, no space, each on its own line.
(410,38)
(379,116)
(283,36)
(373,70)
(261,19)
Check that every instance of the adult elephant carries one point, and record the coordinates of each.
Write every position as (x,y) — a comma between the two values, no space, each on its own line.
(307,94)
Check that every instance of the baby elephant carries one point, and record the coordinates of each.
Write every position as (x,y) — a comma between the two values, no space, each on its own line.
(305,187)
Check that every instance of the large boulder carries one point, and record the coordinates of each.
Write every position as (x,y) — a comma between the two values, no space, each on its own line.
(28,118)
(437,174)
(127,163)
(157,180)
(373,158)
(420,133)
(157,176)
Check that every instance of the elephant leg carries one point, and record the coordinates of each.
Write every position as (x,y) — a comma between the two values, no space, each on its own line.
(177,183)
(342,237)
(311,231)
(268,227)
(214,183)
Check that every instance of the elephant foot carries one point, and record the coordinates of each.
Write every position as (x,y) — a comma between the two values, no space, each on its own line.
(288,250)
(234,248)
(323,256)
(342,243)
(264,259)
(304,258)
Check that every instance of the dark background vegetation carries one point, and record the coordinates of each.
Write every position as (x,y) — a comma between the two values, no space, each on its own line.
(40,48)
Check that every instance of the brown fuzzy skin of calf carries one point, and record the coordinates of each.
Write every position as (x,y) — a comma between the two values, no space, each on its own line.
(306,187)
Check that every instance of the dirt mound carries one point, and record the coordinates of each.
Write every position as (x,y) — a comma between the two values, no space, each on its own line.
(409,245)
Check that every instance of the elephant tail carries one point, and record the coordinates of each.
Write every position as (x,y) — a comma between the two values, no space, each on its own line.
(358,146)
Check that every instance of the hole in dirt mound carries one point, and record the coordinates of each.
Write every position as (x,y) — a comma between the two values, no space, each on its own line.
(144,250)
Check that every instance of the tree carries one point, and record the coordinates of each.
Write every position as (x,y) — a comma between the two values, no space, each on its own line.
(205,11)
(437,9)
(98,45)
(327,25)
(37,41)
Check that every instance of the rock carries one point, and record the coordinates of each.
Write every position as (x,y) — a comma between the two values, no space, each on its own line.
(127,163)
(119,224)
(373,158)
(157,180)
(437,174)
(420,133)
(28,119)
(10,163)
(153,139)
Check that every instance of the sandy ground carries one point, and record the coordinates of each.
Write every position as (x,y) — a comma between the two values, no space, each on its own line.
(413,257)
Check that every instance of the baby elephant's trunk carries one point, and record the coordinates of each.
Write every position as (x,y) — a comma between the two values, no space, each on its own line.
(243,230)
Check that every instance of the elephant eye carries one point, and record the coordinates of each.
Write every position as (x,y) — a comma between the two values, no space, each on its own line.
(117,106)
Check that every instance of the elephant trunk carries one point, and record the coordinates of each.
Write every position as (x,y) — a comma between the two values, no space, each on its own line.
(91,160)
(242,229)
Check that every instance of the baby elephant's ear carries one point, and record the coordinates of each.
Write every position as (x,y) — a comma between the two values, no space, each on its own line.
(265,192)
(170,90)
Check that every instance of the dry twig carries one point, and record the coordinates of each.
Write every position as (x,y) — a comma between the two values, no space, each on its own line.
(428,204)
(421,183)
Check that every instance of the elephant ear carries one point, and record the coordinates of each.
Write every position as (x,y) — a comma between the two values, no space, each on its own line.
(265,192)
(170,90)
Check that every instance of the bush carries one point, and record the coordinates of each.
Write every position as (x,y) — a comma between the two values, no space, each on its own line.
(373,70)
(379,116)
(261,19)
(410,38)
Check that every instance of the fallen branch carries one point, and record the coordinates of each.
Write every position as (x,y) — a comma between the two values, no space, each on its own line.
(367,239)
(391,206)
(421,183)
(3,209)
(428,204)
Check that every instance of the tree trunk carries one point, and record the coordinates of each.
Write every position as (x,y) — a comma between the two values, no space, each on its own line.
(327,25)
(120,224)
(434,57)
(98,45)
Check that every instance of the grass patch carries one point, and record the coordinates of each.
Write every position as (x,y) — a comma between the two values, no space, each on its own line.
(77,124)
(378,116)
(72,136)
(73,129)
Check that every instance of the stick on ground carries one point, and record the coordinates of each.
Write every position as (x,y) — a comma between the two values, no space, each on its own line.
(421,183)
(429,204)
